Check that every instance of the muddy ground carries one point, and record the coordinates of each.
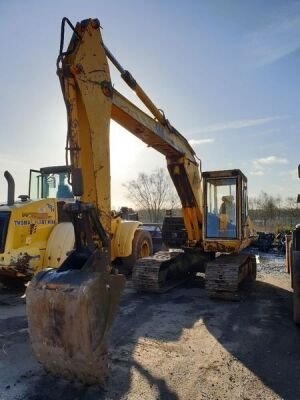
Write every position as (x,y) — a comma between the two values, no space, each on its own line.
(179,345)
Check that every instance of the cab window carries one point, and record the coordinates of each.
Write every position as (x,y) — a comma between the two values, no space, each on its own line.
(221,208)
(52,185)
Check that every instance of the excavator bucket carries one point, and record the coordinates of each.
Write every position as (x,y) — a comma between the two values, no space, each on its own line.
(70,314)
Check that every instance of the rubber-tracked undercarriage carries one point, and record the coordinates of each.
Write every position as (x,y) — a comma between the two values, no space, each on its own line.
(167,269)
(225,232)
(223,275)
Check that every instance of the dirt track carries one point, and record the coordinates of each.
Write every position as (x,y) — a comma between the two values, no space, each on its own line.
(179,345)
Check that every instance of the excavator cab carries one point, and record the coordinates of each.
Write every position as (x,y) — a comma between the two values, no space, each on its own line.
(226,222)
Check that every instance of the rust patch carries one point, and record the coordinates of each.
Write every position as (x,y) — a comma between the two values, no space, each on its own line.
(221,247)
(139,129)
(22,263)
(36,215)
(32,229)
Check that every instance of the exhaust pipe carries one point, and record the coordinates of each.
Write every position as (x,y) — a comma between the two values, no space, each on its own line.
(11,188)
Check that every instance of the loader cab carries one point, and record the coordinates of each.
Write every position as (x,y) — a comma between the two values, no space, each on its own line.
(225,210)
(50,182)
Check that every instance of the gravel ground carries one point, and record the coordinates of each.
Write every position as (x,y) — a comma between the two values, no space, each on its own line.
(272,263)
(178,345)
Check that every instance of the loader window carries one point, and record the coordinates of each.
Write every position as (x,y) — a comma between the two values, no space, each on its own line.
(52,185)
(244,210)
(221,208)
(4,220)
(245,204)
(56,186)
(35,185)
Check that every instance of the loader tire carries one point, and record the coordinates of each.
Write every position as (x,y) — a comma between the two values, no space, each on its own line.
(141,247)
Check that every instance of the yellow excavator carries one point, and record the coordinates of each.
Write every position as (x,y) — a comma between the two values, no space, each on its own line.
(71,309)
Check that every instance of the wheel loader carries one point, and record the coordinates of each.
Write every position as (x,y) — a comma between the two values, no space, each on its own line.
(71,309)
(37,233)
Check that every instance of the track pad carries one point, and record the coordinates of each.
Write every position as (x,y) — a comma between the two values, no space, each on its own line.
(70,315)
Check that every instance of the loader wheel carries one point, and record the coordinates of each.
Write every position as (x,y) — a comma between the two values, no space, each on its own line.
(141,247)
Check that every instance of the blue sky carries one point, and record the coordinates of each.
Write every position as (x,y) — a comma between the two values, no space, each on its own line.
(225,73)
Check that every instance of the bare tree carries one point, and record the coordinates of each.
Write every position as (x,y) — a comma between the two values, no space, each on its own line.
(153,192)
(279,205)
(268,206)
(264,208)
(253,203)
(274,212)
(292,210)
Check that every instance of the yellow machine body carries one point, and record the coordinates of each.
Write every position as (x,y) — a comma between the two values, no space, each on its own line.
(122,237)
(34,238)
(25,236)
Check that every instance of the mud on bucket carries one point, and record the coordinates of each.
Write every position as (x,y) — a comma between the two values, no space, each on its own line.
(69,318)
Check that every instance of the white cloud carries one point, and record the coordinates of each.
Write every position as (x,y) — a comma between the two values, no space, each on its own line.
(236,124)
(270,160)
(257,173)
(278,37)
(195,142)
(260,164)
(293,173)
